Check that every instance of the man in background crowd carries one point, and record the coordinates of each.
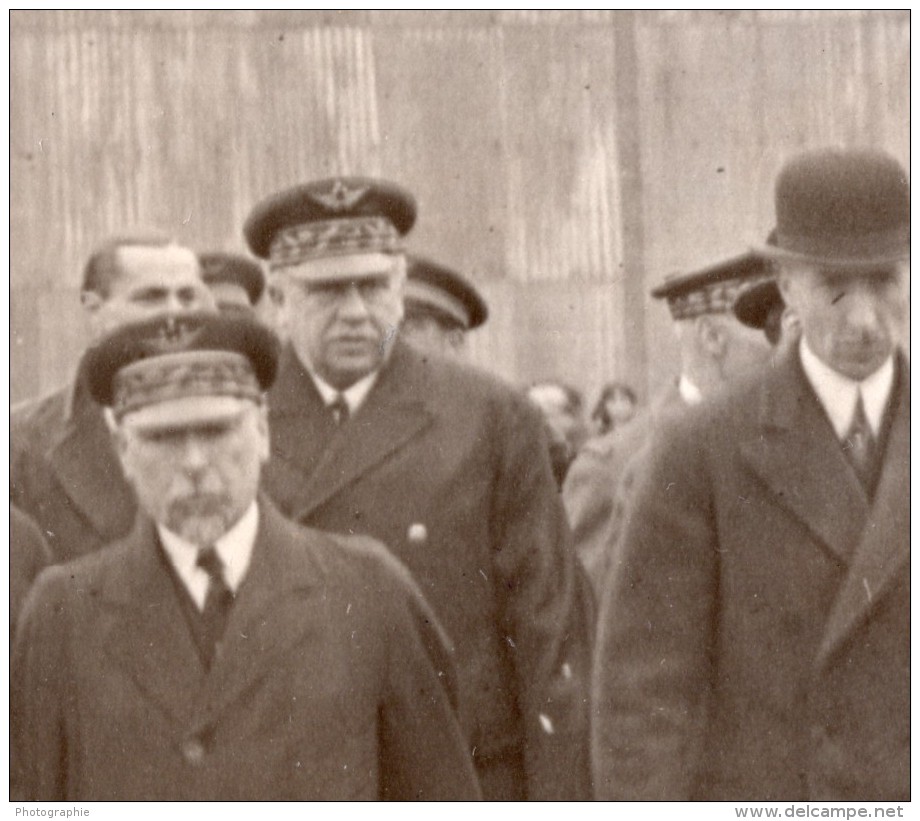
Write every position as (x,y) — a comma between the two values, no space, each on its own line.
(616,406)
(563,414)
(444,464)
(441,308)
(716,352)
(236,282)
(64,472)
(754,636)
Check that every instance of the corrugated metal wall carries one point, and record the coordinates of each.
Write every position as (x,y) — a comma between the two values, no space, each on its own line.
(565,160)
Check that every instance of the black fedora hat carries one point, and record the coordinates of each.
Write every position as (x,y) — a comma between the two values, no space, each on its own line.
(842,209)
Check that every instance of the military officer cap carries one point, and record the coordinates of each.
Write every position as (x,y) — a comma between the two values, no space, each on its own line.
(331,220)
(235,269)
(436,290)
(843,210)
(713,289)
(181,369)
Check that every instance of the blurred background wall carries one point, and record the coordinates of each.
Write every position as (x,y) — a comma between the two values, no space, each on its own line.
(566,161)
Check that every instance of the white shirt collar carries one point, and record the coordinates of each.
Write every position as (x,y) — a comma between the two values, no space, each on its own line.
(234,548)
(838,394)
(689,392)
(354,395)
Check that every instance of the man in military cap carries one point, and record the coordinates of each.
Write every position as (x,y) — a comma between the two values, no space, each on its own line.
(754,640)
(441,307)
(221,652)
(236,282)
(445,465)
(716,353)
(63,470)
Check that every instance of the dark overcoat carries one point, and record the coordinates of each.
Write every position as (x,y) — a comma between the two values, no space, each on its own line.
(593,483)
(334,681)
(448,467)
(754,634)
(65,473)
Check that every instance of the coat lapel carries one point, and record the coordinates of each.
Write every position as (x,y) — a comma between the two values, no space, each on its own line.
(149,636)
(268,617)
(798,456)
(883,552)
(393,414)
(87,467)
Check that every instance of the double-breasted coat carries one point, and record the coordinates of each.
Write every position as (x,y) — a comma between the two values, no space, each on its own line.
(65,473)
(448,467)
(334,681)
(754,635)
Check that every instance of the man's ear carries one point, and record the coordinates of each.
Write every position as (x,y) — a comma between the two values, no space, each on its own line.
(786,286)
(276,294)
(91,301)
(262,427)
(456,338)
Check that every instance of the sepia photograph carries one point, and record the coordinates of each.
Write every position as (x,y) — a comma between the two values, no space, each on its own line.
(497,405)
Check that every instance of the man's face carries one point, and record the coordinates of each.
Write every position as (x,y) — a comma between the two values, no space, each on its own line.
(620,407)
(428,335)
(230,298)
(343,328)
(850,320)
(197,479)
(746,350)
(150,280)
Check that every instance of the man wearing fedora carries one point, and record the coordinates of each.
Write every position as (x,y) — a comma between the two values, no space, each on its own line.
(444,464)
(754,640)
(220,652)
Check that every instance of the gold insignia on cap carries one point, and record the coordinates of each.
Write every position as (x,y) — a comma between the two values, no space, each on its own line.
(175,335)
(340,197)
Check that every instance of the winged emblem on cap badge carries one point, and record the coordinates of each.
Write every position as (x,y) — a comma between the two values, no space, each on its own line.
(174,335)
(340,197)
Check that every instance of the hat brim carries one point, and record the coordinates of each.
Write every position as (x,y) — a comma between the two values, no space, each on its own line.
(343,268)
(777,254)
(185,412)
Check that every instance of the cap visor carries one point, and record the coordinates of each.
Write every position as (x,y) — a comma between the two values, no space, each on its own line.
(188,411)
(343,268)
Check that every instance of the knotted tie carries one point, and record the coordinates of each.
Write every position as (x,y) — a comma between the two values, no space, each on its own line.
(859,445)
(339,409)
(217,602)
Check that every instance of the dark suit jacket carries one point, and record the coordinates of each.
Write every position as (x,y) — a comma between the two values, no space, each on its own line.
(65,473)
(754,641)
(448,468)
(593,482)
(333,682)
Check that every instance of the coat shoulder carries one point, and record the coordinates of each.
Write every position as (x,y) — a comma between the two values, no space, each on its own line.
(34,421)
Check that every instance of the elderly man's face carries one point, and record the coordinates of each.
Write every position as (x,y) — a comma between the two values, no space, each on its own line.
(850,320)
(197,479)
(343,328)
(150,280)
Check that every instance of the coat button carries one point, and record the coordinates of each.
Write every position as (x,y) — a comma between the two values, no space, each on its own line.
(193,750)
(418,533)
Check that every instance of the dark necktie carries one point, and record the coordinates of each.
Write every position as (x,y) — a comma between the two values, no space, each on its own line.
(859,444)
(217,602)
(339,409)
